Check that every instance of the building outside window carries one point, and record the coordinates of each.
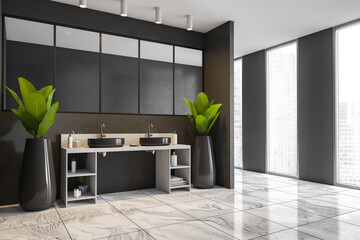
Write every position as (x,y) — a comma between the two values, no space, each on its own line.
(238,113)
(282,152)
(348,105)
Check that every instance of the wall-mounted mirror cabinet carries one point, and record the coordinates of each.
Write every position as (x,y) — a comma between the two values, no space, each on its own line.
(156,78)
(28,53)
(188,77)
(100,72)
(77,70)
(119,74)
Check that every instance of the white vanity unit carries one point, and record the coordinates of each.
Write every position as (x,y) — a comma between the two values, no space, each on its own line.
(89,157)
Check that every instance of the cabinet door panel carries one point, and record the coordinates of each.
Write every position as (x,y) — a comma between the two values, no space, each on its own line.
(77,70)
(188,77)
(188,83)
(77,80)
(156,78)
(156,87)
(119,89)
(119,74)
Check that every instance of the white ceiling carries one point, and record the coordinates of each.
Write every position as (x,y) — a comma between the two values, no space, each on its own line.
(259,24)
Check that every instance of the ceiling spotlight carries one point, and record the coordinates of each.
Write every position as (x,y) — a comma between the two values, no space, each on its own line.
(189,25)
(123,12)
(158,15)
(82,3)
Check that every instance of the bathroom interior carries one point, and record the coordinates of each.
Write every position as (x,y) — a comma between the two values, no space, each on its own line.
(179,120)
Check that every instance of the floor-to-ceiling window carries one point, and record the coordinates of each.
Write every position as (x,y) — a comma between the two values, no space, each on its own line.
(348,105)
(238,113)
(282,154)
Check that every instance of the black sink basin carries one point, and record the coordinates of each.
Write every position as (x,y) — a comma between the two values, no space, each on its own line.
(155,141)
(105,142)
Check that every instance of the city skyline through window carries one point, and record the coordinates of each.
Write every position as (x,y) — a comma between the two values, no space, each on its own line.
(348,105)
(238,113)
(282,110)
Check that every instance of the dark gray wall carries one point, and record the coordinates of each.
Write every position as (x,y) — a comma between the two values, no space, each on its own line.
(254,112)
(13,135)
(219,85)
(316,107)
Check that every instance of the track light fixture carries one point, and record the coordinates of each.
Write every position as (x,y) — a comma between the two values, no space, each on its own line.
(123,11)
(158,15)
(189,25)
(82,3)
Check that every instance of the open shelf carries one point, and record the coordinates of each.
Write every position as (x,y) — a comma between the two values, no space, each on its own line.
(180,166)
(84,196)
(81,173)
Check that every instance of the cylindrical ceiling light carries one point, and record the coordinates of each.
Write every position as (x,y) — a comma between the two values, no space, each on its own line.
(82,3)
(158,15)
(189,25)
(123,11)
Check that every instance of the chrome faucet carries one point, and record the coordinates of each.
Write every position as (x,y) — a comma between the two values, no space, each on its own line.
(102,135)
(149,129)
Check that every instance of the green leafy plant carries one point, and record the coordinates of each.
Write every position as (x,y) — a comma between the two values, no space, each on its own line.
(203,114)
(35,110)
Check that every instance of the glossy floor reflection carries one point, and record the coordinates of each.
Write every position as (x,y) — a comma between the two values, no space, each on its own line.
(260,207)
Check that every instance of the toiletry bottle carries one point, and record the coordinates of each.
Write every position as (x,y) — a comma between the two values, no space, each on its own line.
(73,166)
(70,141)
(173,160)
(175,137)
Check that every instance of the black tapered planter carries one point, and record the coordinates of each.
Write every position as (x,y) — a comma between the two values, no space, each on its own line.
(37,190)
(203,163)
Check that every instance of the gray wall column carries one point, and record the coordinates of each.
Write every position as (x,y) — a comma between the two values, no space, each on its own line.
(219,85)
(254,112)
(316,107)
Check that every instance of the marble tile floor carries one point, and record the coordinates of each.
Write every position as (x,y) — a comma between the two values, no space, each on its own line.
(261,206)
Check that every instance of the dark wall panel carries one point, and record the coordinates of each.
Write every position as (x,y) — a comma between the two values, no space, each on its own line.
(156,87)
(77,80)
(31,61)
(119,84)
(316,107)
(219,85)
(188,83)
(254,112)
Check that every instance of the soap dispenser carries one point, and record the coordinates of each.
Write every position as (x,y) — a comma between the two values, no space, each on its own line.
(173,159)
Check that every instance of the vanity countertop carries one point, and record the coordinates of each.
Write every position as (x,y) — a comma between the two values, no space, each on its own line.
(125,148)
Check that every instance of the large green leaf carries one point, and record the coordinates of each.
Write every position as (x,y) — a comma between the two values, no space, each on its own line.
(27,120)
(201,103)
(17,99)
(191,107)
(45,91)
(48,119)
(192,120)
(201,124)
(212,123)
(48,103)
(211,112)
(26,87)
(35,105)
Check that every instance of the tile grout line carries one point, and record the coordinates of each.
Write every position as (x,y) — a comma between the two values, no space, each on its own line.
(63,222)
(127,217)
